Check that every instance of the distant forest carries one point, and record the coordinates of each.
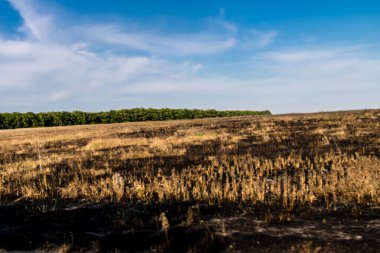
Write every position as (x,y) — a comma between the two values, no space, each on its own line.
(49,119)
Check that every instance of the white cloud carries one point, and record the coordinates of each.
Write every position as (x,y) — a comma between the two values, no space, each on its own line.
(297,56)
(179,45)
(221,22)
(266,38)
(36,25)
(258,39)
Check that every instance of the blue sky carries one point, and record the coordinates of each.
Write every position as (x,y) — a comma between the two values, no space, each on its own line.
(284,56)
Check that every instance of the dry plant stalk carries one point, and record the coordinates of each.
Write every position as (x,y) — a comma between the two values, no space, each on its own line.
(164,225)
(118,186)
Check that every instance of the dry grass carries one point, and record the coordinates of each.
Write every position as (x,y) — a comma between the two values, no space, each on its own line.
(285,160)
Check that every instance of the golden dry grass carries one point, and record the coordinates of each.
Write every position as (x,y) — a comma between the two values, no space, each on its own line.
(284,160)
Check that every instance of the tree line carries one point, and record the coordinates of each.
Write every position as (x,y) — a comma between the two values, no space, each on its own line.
(49,119)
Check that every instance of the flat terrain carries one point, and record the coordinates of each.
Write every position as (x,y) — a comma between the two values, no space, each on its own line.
(285,183)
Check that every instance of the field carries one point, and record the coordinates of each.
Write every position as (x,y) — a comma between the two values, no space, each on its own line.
(283,183)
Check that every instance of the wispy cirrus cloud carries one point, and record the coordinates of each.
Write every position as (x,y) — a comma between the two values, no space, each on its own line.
(264,39)
(34,24)
(254,38)
(297,56)
(180,45)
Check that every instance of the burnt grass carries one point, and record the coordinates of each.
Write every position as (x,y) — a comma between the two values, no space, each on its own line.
(135,228)
(78,225)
